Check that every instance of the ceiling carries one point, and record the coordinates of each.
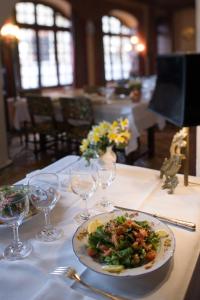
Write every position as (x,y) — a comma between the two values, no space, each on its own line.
(170,4)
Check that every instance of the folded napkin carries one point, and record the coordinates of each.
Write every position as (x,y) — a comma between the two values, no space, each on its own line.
(59,167)
(62,164)
(29,175)
(57,289)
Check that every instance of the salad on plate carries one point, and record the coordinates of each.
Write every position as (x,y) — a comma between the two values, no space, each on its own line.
(123,244)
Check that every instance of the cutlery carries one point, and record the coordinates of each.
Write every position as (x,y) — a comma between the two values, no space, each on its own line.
(71,273)
(173,221)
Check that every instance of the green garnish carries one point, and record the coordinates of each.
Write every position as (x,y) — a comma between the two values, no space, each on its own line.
(124,242)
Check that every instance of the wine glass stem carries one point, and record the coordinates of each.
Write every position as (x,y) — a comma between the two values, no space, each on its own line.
(47,220)
(86,212)
(16,241)
(104,201)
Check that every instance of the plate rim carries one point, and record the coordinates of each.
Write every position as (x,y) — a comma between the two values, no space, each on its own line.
(149,270)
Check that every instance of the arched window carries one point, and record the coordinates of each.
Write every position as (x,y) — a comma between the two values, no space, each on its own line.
(117,46)
(45,46)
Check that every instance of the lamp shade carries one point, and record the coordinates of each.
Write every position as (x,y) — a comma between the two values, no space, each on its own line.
(177,93)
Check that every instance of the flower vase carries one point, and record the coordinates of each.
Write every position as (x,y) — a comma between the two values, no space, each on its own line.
(109,155)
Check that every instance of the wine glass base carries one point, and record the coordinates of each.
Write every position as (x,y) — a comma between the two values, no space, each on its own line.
(105,203)
(13,252)
(81,217)
(49,235)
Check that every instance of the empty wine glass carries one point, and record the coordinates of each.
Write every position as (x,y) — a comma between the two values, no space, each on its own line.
(14,207)
(106,175)
(83,182)
(43,193)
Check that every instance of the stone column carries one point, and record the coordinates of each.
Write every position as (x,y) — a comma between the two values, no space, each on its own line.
(6,9)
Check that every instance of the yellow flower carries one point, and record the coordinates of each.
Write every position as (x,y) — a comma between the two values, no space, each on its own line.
(127,134)
(105,134)
(120,140)
(84,145)
(112,136)
(96,137)
(115,124)
(124,123)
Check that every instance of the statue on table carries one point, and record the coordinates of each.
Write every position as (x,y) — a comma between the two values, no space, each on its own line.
(172,165)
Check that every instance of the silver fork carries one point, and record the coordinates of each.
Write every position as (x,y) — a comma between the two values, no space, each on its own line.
(71,273)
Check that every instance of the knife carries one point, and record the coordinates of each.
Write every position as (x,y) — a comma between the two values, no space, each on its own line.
(173,221)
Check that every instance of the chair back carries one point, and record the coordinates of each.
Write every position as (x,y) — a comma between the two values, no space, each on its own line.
(40,108)
(77,110)
(92,89)
(121,90)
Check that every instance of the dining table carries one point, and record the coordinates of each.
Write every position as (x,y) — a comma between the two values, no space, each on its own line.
(140,118)
(134,188)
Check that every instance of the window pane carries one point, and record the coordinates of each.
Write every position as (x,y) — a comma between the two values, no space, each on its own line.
(116,57)
(28,59)
(65,59)
(25,13)
(105,24)
(44,15)
(127,57)
(62,22)
(107,61)
(115,25)
(126,30)
(47,58)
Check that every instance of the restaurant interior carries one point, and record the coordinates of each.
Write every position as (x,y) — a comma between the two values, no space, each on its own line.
(104,45)
(70,70)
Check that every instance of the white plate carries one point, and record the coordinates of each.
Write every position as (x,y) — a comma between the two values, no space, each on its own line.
(164,253)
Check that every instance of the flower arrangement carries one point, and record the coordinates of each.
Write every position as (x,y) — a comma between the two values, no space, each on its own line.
(104,135)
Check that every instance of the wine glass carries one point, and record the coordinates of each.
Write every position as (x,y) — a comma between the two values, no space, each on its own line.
(106,175)
(43,193)
(14,207)
(83,182)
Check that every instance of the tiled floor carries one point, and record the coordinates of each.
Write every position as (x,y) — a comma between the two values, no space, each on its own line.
(25,162)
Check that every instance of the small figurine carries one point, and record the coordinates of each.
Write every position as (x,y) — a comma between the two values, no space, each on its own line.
(172,165)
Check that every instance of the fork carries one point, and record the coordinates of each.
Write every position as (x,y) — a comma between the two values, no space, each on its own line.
(71,273)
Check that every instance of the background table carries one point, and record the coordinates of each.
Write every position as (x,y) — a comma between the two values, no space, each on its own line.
(140,118)
(134,187)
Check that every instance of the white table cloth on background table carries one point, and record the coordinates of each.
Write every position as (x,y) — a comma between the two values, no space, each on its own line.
(134,187)
(140,118)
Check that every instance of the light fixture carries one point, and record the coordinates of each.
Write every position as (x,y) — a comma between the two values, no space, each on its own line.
(140,47)
(10,31)
(128,47)
(134,39)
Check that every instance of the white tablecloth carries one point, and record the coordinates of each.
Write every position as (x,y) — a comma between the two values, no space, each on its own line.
(133,187)
(140,118)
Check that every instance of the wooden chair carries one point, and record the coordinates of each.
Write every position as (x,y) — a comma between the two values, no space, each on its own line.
(78,118)
(92,89)
(121,90)
(43,124)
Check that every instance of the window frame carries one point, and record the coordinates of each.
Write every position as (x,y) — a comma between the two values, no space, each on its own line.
(121,36)
(36,27)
